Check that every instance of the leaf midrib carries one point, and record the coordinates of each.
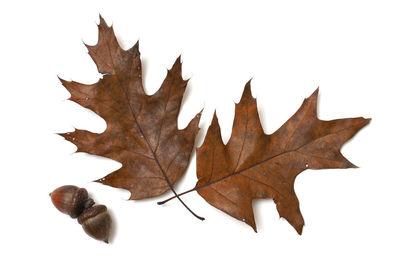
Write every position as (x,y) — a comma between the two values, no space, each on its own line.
(268,159)
(134,116)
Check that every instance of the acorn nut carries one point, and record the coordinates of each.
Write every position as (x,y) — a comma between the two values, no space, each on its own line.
(96,222)
(71,200)
(75,202)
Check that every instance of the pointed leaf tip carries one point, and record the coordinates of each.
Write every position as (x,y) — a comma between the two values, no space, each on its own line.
(299,229)
(177,67)
(213,134)
(102,22)
(61,134)
(246,95)
(135,49)
(248,84)
(136,45)
(198,116)
(61,80)
(313,101)
(215,118)
(314,95)
(214,126)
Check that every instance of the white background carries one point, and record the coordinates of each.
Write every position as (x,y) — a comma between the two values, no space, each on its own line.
(350,49)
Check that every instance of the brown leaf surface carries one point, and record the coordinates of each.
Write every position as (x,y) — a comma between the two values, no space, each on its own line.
(142,130)
(256,165)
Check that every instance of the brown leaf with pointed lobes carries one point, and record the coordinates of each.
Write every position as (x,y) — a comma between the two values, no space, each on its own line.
(256,165)
(142,131)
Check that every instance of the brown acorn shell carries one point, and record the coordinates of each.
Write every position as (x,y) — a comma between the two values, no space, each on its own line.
(96,222)
(71,200)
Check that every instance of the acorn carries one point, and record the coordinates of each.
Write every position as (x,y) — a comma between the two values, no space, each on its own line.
(96,222)
(75,201)
(71,200)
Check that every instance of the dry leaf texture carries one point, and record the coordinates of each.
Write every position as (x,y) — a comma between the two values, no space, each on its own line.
(142,130)
(256,165)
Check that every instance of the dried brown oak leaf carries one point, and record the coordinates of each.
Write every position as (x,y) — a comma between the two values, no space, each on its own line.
(256,165)
(142,130)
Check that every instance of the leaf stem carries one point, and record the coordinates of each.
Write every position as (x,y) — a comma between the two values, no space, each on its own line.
(177,195)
